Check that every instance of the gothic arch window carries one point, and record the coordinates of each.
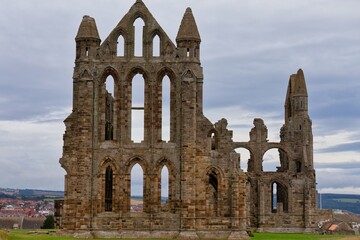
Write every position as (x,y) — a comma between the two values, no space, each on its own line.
(137,108)
(120,46)
(279,197)
(212,135)
(108,189)
(137,187)
(156,46)
(165,108)
(109,107)
(164,185)
(212,194)
(138,37)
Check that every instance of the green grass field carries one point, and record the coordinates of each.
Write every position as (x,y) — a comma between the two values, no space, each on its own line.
(347,200)
(45,235)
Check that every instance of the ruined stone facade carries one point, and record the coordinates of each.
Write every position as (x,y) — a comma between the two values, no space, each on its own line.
(209,194)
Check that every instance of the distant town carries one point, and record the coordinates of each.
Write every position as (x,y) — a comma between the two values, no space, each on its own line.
(32,203)
(28,208)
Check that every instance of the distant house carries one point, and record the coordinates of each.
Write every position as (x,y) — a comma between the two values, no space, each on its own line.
(9,207)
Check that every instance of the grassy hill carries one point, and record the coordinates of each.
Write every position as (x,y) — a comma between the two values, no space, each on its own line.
(347,202)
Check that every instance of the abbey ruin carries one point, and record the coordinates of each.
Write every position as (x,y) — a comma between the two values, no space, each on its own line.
(209,194)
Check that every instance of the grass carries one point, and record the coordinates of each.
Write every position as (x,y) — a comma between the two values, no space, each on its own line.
(347,200)
(46,235)
(291,236)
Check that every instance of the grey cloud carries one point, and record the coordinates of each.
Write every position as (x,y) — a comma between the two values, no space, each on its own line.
(354,146)
(248,51)
(349,165)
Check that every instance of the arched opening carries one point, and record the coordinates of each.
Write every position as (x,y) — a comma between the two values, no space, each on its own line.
(271,160)
(273,197)
(86,51)
(137,188)
(245,159)
(164,188)
(213,141)
(279,198)
(165,109)
(109,107)
(138,37)
(212,194)
(120,46)
(108,189)
(137,108)
(275,160)
(156,46)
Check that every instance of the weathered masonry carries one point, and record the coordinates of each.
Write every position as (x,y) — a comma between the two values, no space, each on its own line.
(117,90)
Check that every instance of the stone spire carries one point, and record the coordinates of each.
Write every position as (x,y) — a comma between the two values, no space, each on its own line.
(87,29)
(297,96)
(188,29)
(300,85)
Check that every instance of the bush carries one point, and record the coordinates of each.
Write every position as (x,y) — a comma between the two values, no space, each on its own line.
(49,222)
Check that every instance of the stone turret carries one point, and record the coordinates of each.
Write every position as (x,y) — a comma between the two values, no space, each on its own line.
(87,39)
(297,97)
(188,37)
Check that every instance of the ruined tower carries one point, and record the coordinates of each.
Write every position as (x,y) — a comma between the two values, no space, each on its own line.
(209,195)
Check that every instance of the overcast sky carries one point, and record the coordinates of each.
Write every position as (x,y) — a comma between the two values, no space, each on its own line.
(249,49)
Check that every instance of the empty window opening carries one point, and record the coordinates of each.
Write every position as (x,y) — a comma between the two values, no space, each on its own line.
(108,189)
(109,108)
(138,37)
(120,46)
(156,46)
(271,160)
(213,194)
(213,141)
(188,52)
(246,162)
(274,197)
(164,185)
(279,197)
(165,107)
(137,188)
(137,108)
(86,51)
(298,166)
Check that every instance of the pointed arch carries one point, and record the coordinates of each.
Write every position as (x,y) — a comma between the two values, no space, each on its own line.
(166,104)
(107,176)
(156,45)
(108,189)
(139,25)
(136,169)
(120,46)
(164,189)
(108,94)
(213,191)
(279,197)
(165,184)
(137,108)
(165,108)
